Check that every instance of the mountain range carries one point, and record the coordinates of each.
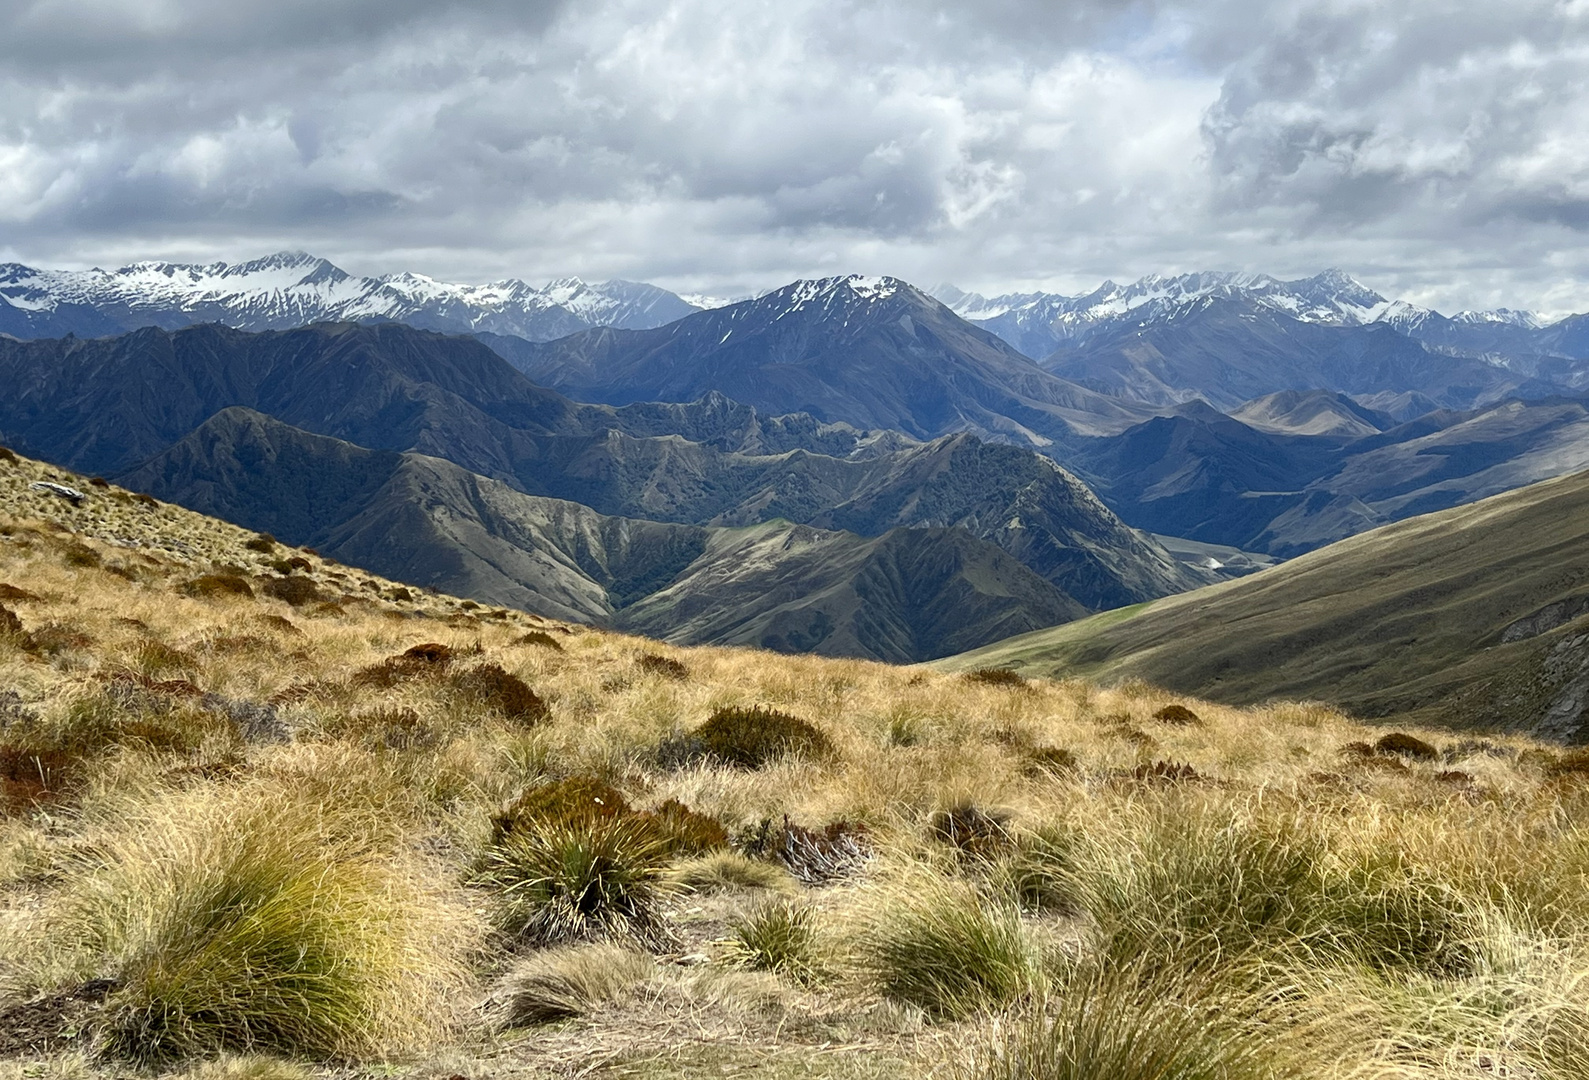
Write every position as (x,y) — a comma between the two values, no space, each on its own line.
(294,289)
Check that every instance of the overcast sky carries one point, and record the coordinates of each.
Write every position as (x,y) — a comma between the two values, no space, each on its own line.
(1437,149)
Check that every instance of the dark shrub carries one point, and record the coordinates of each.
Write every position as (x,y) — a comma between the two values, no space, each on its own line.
(78,554)
(32,776)
(10,625)
(262,542)
(211,585)
(99,482)
(54,638)
(574,799)
(146,500)
(663,666)
(971,830)
(1179,715)
(7,456)
(1166,772)
(287,566)
(995,677)
(754,737)
(12,593)
(1408,746)
(296,591)
(539,638)
(490,687)
(815,856)
(686,832)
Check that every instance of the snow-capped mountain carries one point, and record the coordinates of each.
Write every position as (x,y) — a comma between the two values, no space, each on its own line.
(292,288)
(1040,323)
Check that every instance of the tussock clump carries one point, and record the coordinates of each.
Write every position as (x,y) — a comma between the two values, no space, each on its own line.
(213,585)
(55,638)
(1127,1024)
(489,686)
(747,738)
(250,923)
(540,639)
(155,658)
(261,542)
(662,666)
(778,935)
(296,591)
(941,945)
(1403,745)
(384,729)
(996,677)
(78,554)
(971,830)
(563,983)
(1178,716)
(561,881)
(722,870)
(1166,772)
(814,856)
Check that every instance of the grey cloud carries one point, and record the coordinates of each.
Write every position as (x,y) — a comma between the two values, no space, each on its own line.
(1012,143)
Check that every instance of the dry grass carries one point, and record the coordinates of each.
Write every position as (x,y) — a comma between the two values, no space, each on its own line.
(1007,856)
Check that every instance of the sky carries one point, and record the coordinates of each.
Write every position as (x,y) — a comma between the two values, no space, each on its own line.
(1438,150)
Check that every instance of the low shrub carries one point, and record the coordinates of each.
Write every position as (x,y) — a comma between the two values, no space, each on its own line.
(490,687)
(32,776)
(995,677)
(814,856)
(573,801)
(662,666)
(748,738)
(777,935)
(579,880)
(1050,761)
(685,831)
(296,591)
(940,945)
(14,594)
(7,456)
(212,585)
(540,639)
(286,566)
(261,542)
(1401,744)
(242,923)
(1177,715)
(429,660)
(79,554)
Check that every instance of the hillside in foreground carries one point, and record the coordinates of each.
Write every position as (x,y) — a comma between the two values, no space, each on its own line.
(1472,617)
(263,816)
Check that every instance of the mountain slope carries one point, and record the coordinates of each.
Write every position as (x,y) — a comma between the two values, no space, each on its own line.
(104,406)
(1457,618)
(292,289)
(908,595)
(1311,412)
(872,352)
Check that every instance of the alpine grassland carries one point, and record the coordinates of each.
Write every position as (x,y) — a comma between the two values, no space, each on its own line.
(351,828)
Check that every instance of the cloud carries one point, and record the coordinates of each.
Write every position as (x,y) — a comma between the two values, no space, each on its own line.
(1429,145)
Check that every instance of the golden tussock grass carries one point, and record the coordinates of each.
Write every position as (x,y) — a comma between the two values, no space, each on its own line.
(248,855)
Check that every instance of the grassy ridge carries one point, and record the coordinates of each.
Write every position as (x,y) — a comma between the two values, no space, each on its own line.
(1462,618)
(375,832)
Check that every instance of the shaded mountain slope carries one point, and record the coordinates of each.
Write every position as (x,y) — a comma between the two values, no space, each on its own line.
(1464,617)
(872,352)
(907,595)
(1311,412)
(1228,352)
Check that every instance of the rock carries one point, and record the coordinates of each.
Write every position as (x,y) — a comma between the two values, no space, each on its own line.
(71,495)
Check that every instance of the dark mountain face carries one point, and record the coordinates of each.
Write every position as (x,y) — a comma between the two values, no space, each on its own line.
(104,406)
(908,595)
(874,353)
(1228,352)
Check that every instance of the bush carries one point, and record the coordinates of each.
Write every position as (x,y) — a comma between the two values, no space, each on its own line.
(579,880)
(938,944)
(210,585)
(428,660)
(32,776)
(1401,744)
(749,738)
(261,542)
(7,456)
(540,639)
(244,924)
(80,554)
(574,801)
(662,666)
(490,687)
(686,832)
(296,591)
(815,856)
(1178,715)
(777,935)
(1050,761)
(995,677)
